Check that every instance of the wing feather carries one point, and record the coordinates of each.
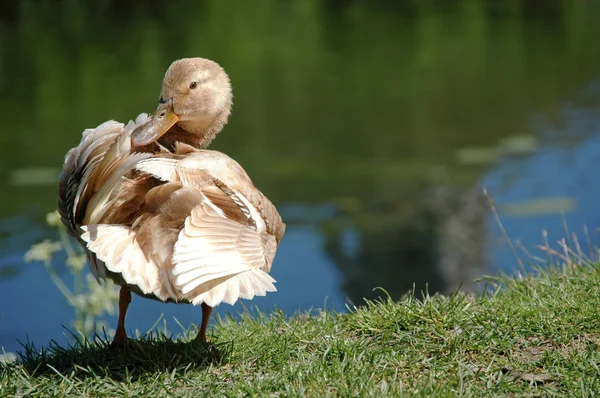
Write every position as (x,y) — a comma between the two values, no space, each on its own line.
(117,247)
(213,248)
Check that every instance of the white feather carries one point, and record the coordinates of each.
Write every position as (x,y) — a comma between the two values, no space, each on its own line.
(161,168)
(116,246)
(215,259)
(246,285)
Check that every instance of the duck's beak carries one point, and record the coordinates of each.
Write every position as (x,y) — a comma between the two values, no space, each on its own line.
(163,119)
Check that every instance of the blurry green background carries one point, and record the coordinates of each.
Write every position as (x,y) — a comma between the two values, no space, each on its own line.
(373,125)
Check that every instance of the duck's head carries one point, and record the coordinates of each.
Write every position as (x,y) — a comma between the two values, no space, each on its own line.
(195,95)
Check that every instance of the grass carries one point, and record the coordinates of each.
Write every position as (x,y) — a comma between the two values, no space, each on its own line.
(537,336)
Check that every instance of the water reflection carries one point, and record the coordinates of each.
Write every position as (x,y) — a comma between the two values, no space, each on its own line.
(438,248)
(373,125)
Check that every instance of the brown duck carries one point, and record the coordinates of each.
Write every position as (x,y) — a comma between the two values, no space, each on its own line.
(162,217)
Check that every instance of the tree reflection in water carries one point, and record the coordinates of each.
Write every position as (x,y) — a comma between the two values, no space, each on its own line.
(439,248)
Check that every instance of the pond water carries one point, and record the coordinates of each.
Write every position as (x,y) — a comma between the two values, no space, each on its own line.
(373,126)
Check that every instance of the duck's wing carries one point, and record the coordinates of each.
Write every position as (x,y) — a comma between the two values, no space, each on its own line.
(226,173)
(93,170)
(92,175)
(203,236)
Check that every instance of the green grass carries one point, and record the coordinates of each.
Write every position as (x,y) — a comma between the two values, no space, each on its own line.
(537,336)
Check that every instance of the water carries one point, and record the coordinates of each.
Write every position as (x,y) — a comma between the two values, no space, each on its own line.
(372,125)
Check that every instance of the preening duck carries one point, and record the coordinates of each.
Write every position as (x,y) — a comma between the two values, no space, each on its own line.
(164,218)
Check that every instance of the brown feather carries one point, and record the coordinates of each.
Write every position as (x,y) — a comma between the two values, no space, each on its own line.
(230,208)
(130,199)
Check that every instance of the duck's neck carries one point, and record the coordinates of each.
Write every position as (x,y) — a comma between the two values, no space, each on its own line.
(198,134)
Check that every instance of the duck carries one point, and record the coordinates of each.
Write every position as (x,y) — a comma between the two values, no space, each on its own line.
(162,216)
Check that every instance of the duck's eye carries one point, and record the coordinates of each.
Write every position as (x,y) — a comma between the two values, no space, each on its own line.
(193,85)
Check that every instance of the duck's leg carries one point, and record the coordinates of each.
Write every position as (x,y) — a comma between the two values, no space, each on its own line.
(206,310)
(124,300)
